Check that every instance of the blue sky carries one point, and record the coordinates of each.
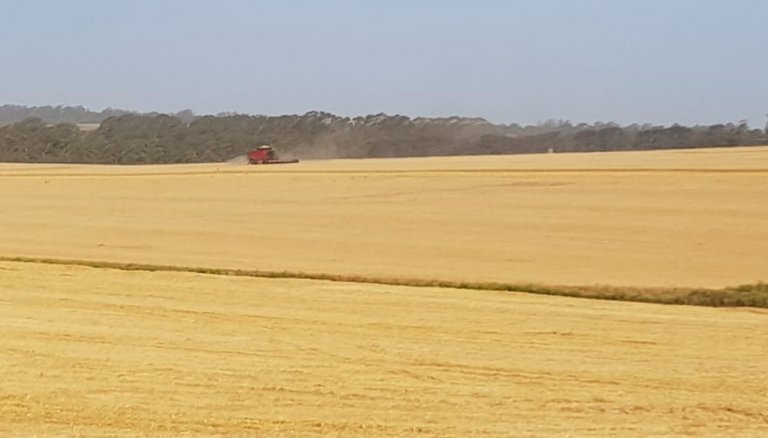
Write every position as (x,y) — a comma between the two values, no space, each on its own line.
(655,61)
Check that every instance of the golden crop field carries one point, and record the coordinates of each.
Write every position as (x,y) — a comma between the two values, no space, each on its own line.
(101,352)
(671,218)
(88,350)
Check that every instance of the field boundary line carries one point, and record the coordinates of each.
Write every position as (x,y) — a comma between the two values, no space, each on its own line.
(750,295)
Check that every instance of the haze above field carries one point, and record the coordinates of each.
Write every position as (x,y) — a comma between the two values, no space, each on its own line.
(691,62)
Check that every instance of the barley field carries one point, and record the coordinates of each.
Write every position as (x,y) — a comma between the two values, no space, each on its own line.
(647,219)
(102,352)
(100,338)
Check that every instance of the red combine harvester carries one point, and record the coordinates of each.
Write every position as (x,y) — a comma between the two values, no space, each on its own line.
(266,155)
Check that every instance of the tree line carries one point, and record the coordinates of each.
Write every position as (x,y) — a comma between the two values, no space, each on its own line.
(10,114)
(131,138)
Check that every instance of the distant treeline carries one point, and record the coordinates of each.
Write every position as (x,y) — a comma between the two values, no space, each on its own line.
(131,138)
(10,114)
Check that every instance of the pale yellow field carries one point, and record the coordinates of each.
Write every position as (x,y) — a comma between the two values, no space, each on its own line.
(670,218)
(102,352)
(98,352)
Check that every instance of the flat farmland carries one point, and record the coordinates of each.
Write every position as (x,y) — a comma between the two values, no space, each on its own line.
(647,219)
(101,338)
(102,352)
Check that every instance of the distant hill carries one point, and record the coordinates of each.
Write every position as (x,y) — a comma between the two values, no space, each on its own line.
(55,114)
(10,114)
(78,135)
